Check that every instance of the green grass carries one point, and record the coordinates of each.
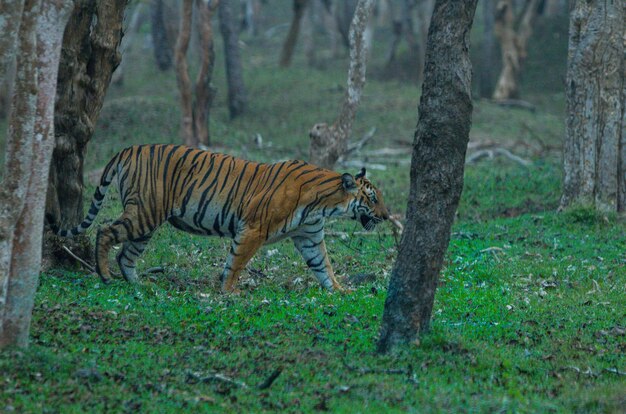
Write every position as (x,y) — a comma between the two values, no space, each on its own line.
(529,314)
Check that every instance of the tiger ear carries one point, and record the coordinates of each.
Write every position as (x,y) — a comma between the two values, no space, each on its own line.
(360,174)
(348,183)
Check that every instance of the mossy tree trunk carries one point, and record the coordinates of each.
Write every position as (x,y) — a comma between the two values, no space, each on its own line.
(437,165)
(594,156)
(89,56)
(237,95)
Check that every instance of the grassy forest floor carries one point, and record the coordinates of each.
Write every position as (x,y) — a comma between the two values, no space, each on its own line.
(529,314)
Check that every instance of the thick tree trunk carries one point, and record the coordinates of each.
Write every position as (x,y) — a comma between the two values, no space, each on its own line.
(513,45)
(328,143)
(488,51)
(25,263)
(19,146)
(437,167)
(89,56)
(237,95)
(594,157)
(292,36)
(160,40)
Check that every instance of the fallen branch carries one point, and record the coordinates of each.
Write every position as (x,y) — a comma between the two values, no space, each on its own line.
(615,371)
(361,164)
(81,261)
(491,153)
(359,144)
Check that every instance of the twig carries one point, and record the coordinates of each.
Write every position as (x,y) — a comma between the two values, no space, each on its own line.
(270,380)
(84,263)
(396,223)
(491,153)
(615,371)
(360,143)
(195,378)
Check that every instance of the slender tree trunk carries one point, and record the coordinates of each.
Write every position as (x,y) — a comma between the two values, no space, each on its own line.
(89,56)
(182,74)
(204,90)
(237,95)
(136,20)
(513,45)
(594,157)
(437,165)
(194,120)
(292,37)
(328,143)
(488,51)
(160,39)
(25,263)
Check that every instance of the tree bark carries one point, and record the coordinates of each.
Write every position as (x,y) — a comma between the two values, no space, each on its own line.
(594,157)
(19,147)
(328,143)
(194,115)
(10,18)
(182,74)
(204,90)
(437,165)
(89,55)
(46,23)
(237,95)
(160,40)
(513,45)
(292,37)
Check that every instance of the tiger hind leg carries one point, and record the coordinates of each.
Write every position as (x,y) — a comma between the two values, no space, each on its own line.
(122,230)
(127,257)
(241,251)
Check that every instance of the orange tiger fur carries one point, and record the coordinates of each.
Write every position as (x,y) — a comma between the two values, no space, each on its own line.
(216,194)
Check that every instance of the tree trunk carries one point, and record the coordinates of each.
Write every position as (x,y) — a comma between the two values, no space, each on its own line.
(182,74)
(89,56)
(594,157)
(136,20)
(11,12)
(204,90)
(437,164)
(488,51)
(160,40)
(194,115)
(328,143)
(513,45)
(292,37)
(19,146)
(237,95)
(44,30)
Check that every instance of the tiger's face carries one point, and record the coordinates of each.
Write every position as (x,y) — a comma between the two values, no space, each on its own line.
(367,206)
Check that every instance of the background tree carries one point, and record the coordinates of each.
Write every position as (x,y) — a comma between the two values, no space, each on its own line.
(487,64)
(29,149)
(513,34)
(329,142)
(294,29)
(162,43)
(437,166)
(237,95)
(89,56)
(594,157)
(195,113)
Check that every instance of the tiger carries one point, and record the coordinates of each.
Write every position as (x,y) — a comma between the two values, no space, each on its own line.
(213,194)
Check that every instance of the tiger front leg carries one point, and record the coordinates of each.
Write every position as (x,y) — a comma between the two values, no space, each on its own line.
(313,250)
(241,251)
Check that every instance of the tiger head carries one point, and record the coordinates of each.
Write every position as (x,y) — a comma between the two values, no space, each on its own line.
(366,204)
